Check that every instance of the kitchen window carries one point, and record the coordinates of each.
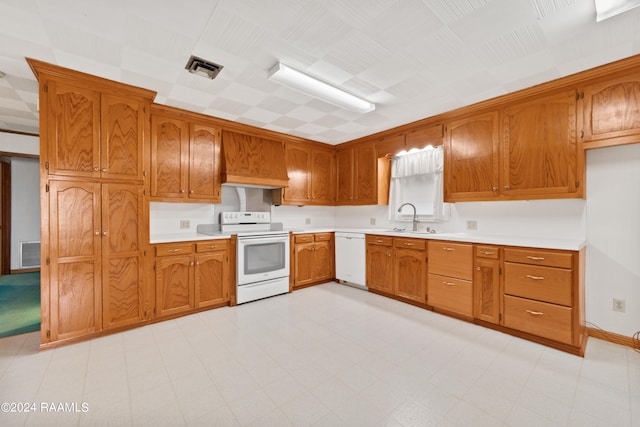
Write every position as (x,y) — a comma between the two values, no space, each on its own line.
(416,177)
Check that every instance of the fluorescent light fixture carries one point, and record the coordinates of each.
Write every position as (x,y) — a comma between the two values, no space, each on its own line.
(304,83)
(608,8)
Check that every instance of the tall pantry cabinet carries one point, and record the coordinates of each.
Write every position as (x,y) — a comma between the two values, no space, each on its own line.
(94,230)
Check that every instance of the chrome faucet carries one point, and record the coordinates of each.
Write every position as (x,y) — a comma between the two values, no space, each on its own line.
(415,214)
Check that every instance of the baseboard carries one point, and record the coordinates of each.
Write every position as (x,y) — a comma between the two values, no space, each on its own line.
(613,337)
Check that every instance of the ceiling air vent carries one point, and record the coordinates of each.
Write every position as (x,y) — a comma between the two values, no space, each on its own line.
(203,68)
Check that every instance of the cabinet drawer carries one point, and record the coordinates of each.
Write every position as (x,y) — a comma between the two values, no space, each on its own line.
(174,249)
(540,283)
(539,257)
(323,237)
(379,240)
(451,259)
(303,238)
(490,252)
(417,244)
(538,318)
(215,245)
(450,294)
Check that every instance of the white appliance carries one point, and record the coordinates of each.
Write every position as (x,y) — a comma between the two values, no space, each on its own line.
(262,258)
(351,259)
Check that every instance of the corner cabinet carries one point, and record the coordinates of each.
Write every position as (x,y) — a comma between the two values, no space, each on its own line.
(311,172)
(185,158)
(94,216)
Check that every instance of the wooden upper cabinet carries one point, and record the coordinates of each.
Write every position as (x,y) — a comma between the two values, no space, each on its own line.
(122,143)
(422,136)
(390,145)
(72,118)
(204,163)
(253,160)
(322,177)
(611,112)
(298,160)
(344,177)
(540,153)
(472,166)
(185,160)
(92,134)
(366,174)
(169,157)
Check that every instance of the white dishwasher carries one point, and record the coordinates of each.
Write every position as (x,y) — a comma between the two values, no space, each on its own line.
(351,259)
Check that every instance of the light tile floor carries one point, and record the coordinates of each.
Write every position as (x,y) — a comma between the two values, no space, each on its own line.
(329,355)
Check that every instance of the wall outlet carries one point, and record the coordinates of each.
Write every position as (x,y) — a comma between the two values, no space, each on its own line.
(372,221)
(619,305)
(307,221)
(472,224)
(185,224)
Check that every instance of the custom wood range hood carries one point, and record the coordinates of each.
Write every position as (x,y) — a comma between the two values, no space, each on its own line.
(250,160)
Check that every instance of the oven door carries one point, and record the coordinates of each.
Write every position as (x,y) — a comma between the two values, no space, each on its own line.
(262,258)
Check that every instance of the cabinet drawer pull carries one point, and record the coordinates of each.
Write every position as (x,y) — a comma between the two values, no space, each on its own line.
(534,313)
(408,244)
(487,252)
(449,283)
(449,249)
(535,258)
(211,246)
(378,241)
(529,276)
(174,250)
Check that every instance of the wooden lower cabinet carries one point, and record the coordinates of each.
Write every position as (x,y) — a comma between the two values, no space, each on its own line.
(397,266)
(313,260)
(191,275)
(450,277)
(486,284)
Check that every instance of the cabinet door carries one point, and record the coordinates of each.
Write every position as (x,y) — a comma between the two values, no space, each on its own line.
(344,177)
(304,264)
(486,290)
(298,160)
(270,158)
(211,285)
(540,157)
(410,274)
(75,234)
(73,130)
(204,164)
(379,268)
(323,257)
(366,175)
(612,110)
(123,292)
(174,284)
(122,120)
(169,157)
(322,173)
(472,168)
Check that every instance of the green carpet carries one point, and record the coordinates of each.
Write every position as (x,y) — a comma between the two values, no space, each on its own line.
(19,303)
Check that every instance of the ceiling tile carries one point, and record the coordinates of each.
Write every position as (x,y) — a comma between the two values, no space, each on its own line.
(450,11)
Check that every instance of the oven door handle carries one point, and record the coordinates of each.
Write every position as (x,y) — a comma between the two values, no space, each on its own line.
(262,239)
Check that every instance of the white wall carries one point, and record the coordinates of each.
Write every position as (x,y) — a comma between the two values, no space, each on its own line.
(613,237)
(20,144)
(25,205)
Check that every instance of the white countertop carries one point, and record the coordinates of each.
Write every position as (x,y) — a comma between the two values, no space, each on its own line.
(527,241)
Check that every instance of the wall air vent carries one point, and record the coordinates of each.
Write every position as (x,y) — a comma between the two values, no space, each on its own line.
(203,68)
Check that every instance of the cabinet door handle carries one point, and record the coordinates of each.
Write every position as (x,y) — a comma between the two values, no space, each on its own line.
(449,283)
(535,258)
(96,168)
(97,232)
(534,313)
(182,190)
(191,192)
(529,276)
(105,233)
(174,250)
(104,170)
